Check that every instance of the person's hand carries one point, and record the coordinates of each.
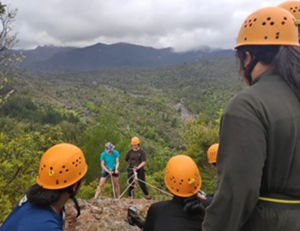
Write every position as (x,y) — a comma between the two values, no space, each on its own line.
(110,172)
(116,171)
(201,197)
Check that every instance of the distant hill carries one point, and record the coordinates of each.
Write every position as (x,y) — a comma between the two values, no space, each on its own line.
(99,56)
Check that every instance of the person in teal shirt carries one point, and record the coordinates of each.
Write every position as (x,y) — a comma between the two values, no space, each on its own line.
(109,161)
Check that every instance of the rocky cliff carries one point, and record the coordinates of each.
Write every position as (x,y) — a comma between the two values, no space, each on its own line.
(104,215)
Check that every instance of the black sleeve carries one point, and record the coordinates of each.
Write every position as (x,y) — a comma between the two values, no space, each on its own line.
(143,156)
(240,162)
(150,219)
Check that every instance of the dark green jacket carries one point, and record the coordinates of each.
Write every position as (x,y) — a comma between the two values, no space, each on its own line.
(259,153)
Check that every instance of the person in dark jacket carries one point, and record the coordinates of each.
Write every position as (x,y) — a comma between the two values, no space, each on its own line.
(259,154)
(185,212)
(212,154)
(136,159)
(61,170)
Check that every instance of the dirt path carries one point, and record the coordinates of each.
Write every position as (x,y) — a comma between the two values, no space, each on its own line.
(185,114)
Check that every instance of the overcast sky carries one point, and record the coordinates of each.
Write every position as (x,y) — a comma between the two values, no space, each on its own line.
(181,24)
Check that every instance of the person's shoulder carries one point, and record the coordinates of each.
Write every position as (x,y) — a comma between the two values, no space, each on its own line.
(159,205)
(142,151)
(247,100)
(103,153)
(44,219)
(116,153)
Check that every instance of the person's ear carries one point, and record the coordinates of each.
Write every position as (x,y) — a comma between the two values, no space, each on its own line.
(248,59)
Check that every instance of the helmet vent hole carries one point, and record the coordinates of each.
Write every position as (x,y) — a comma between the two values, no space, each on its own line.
(266,37)
(285,18)
(73,162)
(182,180)
(77,161)
(177,190)
(79,158)
(272,23)
(80,174)
(51,168)
(65,181)
(255,20)
(44,166)
(195,187)
(76,165)
(250,20)
(80,162)
(282,23)
(63,166)
(264,23)
(67,170)
(245,26)
(42,169)
(180,183)
(60,172)
(57,182)
(269,18)
(250,24)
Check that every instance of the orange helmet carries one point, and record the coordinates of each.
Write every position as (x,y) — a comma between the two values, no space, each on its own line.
(212,153)
(135,141)
(182,176)
(294,8)
(269,26)
(61,166)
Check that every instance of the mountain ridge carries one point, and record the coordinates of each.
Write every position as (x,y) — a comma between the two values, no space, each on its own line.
(118,55)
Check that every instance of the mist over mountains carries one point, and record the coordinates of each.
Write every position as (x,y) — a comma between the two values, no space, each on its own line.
(99,56)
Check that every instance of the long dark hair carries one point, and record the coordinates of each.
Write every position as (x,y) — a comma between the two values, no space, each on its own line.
(284,59)
(41,197)
(193,207)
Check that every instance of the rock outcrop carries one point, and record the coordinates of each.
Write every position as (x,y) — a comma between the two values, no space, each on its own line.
(104,215)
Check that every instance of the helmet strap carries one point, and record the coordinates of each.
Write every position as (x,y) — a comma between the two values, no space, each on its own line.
(73,198)
(76,205)
(248,71)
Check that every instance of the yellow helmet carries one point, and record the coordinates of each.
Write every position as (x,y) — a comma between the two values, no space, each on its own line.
(182,176)
(294,8)
(135,141)
(212,153)
(269,26)
(61,166)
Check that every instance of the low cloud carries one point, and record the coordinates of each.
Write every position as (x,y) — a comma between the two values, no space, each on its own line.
(181,24)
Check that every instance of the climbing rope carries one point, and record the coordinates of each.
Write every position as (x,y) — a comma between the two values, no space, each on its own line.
(136,178)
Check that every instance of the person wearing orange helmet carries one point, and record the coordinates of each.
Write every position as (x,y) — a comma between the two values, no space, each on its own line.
(294,8)
(258,158)
(136,159)
(212,153)
(61,170)
(185,210)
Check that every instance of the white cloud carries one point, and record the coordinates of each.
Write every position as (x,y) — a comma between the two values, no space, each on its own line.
(181,24)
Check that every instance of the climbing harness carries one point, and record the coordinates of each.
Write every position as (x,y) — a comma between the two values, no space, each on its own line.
(279,201)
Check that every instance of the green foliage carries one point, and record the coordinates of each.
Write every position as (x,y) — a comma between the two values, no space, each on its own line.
(22,108)
(19,161)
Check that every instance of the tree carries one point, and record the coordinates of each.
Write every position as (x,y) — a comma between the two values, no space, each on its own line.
(8,39)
